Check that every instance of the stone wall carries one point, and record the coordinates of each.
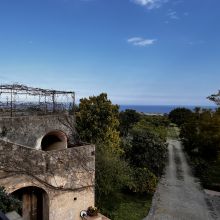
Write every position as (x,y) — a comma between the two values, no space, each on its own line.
(67,176)
(68,205)
(29,130)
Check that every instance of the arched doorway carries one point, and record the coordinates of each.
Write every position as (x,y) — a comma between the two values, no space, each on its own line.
(35,203)
(54,140)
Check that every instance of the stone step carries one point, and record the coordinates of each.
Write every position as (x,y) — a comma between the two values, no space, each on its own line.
(13,216)
(98,217)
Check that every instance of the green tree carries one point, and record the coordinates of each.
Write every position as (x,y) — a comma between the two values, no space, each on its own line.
(112,173)
(148,150)
(179,115)
(200,134)
(153,124)
(127,119)
(146,146)
(143,180)
(97,121)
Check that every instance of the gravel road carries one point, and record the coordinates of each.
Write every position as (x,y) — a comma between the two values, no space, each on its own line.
(179,195)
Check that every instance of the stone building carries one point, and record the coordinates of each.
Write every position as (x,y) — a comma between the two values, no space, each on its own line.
(40,161)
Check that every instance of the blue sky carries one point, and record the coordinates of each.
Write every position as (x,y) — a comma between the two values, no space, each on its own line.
(137,51)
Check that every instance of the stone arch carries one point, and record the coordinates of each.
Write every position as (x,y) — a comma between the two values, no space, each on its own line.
(54,140)
(35,203)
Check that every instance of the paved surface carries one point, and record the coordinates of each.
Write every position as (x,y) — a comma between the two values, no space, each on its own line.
(179,195)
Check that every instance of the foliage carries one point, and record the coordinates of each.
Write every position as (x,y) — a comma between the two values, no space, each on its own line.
(155,125)
(173,131)
(215,98)
(127,119)
(201,168)
(98,120)
(146,147)
(200,134)
(8,202)
(143,181)
(112,173)
(179,115)
(156,120)
(127,206)
(148,150)
(132,162)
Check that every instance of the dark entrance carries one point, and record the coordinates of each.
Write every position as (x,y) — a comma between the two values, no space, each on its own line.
(34,203)
(54,140)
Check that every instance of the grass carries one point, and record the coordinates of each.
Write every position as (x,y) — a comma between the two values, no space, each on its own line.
(127,206)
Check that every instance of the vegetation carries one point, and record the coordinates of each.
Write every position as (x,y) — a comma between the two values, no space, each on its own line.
(179,115)
(127,206)
(98,120)
(215,98)
(200,134)
(130,155)
(8,202)
(112,173)
(148,148)
(127,119)
(173,131)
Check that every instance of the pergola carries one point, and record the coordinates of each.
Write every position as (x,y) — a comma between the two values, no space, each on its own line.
(17,99)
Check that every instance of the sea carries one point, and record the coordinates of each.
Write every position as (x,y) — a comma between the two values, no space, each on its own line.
(159,109)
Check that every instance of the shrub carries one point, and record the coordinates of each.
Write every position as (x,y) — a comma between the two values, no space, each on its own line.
(8,202)
(143,181)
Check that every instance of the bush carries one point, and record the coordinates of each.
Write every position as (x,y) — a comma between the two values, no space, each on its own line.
(179,115)
(148,150)
(143,181)
(112,173)
(201,169)
(8,202)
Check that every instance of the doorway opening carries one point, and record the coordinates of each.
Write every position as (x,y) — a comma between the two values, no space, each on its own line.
(35,203)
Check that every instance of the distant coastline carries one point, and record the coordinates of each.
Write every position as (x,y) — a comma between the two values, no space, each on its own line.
(159,109)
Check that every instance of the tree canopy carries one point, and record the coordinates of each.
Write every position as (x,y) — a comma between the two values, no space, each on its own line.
(127,119)
(132,161)
(215,98)
(98,120)
(179,115)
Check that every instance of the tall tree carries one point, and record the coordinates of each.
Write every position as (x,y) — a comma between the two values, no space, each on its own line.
(98,121)
(179,115)
(127,119)
(201,134)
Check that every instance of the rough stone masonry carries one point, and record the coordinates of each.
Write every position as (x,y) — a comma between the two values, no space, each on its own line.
(40,164)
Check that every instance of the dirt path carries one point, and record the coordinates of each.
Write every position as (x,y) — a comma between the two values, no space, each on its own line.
(179,196)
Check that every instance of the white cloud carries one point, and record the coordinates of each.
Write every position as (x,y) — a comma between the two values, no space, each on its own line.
(141,42)
(199,42)
(172,15)
(150,4)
